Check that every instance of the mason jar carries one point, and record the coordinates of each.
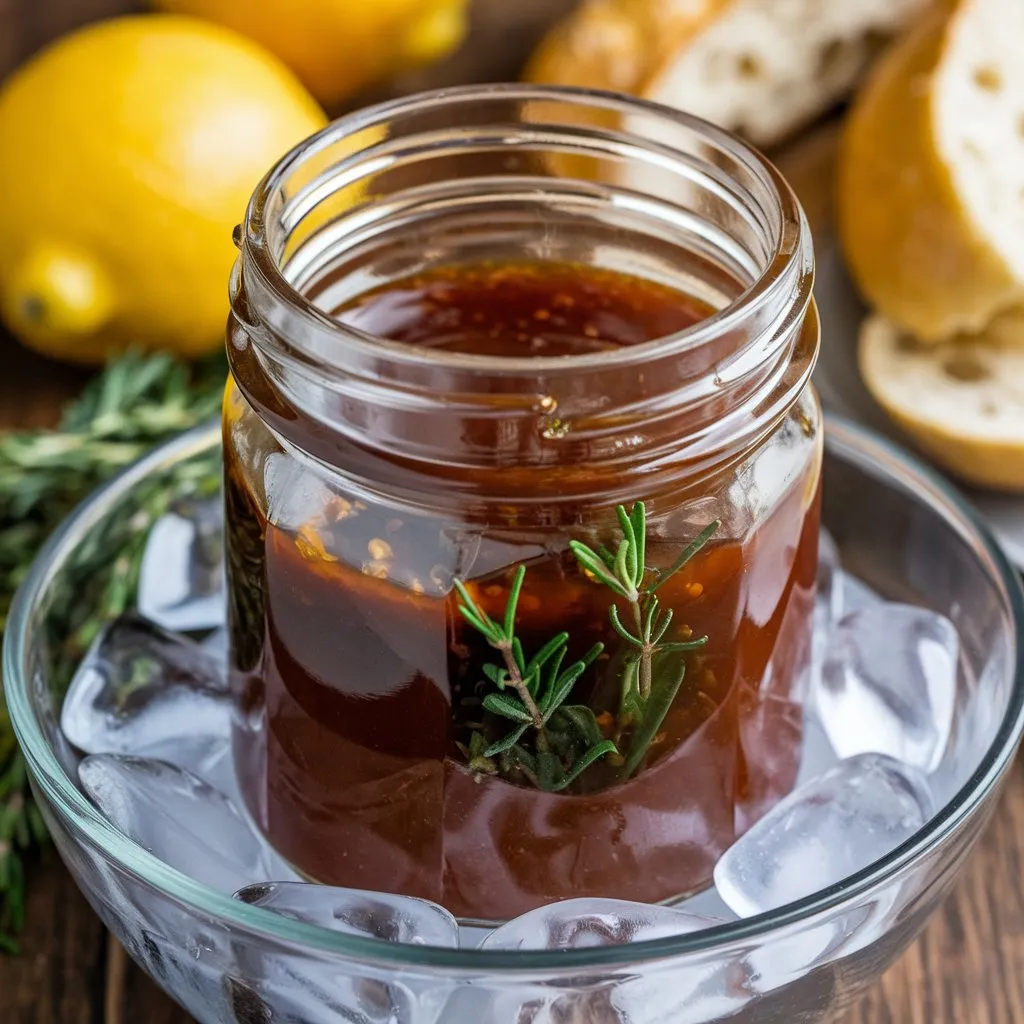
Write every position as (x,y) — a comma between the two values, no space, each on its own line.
(522,491)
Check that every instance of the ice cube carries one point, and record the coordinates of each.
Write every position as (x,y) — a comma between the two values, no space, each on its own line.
(313,992)
(857,594)
(177,817)
(589,921)
(678,994)
(827,830)
(285,989)
(980,704)
(181,578)
(790,955)
(707,904)
(378,915)
(141,690)
(697,991)
(888,684)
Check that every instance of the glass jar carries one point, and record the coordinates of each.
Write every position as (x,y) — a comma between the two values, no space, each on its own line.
(385,500)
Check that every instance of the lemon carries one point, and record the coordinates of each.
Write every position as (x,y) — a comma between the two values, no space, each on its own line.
(340,46)
(930,178)
(130,149)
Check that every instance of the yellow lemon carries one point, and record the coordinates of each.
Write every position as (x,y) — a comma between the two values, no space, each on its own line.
(340,46)
(130,149)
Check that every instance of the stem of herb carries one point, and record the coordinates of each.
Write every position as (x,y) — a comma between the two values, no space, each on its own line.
(516,681)
(625,573)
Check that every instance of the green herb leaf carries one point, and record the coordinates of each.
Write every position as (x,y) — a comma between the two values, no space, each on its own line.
(622,568)
(613,615)
(595,752)
(136,402)
(513,602)
(518,755)
(562,688)
(475,615)
(593,564)
(549,770)
(684,645)
(652,611)
(583,720)
(557,693)
(497,674)
(691,549)
(668,677)
(630,545)
(507,706)
(508,742)
(548,651)
(661,628)
(474,620)
(517,653)
(638,518)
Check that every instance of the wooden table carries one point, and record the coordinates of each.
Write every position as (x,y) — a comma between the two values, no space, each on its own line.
(966,968)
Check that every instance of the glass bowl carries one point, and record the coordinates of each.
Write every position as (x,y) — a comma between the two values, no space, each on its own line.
(898,527)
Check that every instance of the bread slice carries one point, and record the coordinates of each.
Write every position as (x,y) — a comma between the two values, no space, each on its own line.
(766,68)
(617,44)
(931,173)
(962,402)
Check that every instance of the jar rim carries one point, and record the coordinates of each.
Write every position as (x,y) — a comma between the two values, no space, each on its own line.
(787,267)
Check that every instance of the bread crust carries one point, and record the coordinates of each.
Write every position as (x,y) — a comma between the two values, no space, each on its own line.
(918,256)
(617,44)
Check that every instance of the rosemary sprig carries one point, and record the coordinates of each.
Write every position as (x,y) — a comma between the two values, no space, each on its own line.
(137,402)
(514,673)
(542,686)
(650,681)
(626,573)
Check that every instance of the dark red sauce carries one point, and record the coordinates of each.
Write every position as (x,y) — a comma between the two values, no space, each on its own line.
(362,683)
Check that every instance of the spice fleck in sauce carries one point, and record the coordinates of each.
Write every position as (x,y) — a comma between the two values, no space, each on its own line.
(362,684)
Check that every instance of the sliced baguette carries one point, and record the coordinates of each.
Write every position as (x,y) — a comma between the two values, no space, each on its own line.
(962,402)
(765,68)
(931,173)
(617,44)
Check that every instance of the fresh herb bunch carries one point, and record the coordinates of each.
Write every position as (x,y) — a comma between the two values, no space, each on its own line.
(137,402)
(552,743)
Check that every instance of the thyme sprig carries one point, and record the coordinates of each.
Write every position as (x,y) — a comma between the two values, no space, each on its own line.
(542,686)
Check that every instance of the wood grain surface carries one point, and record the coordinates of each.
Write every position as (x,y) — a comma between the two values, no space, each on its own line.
(968,966)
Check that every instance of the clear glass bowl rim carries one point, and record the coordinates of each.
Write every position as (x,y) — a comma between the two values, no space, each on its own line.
(81,816)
